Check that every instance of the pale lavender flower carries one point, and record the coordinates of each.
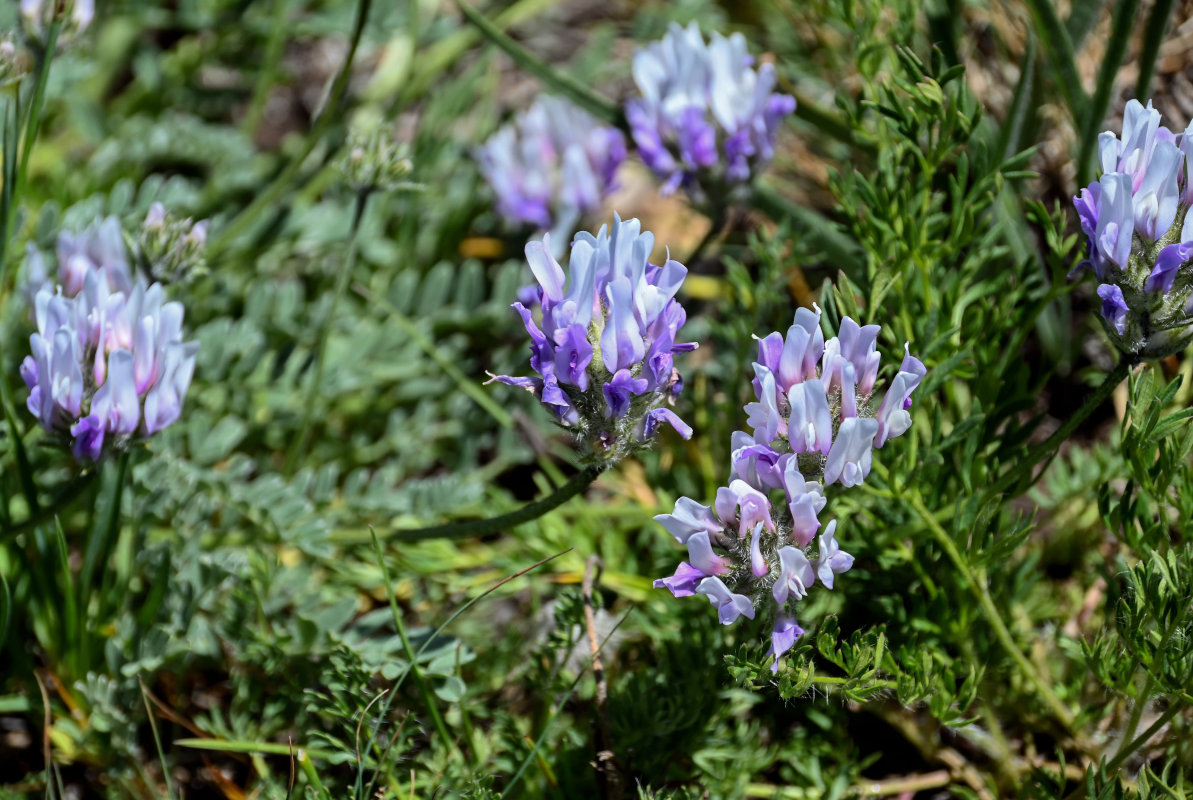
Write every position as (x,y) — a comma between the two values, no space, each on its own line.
(1138,237)
(108,363)
(729,604)
(705,117)
(783,637)
(832,560)
(552,164)
(604,340)
(815,423)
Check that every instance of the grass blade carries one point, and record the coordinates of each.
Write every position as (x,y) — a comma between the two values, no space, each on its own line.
(580,94)
(1120,31)
(1153,36)
(1054,37)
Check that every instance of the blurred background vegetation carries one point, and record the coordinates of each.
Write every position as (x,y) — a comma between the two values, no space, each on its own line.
(246,640)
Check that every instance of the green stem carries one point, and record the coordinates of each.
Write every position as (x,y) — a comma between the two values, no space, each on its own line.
(481,527)
(1046,448)
(425,646)
(411,656)
(990,611)
(1127,749)
(1148,685)
(157,740)
(24,469)
(268,199)
(269,68)
(304,428)
(839,249)
(99,548)
(32,124)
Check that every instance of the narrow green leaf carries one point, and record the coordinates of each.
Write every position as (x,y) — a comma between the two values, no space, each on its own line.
(1061,55)
(574,90)
(1153,36)
(1121,27)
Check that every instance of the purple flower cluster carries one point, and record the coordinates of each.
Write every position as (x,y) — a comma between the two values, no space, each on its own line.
(552,164)
(814,424)
(1136,218)
(706,117)
(604,342)
(108,362)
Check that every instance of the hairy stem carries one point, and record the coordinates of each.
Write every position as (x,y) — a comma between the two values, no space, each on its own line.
(1139,741)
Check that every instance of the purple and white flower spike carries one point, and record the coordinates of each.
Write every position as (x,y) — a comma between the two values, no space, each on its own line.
(604,339)
(108,362)
(815,423)
(1139,240)
(706,118)
(552,164)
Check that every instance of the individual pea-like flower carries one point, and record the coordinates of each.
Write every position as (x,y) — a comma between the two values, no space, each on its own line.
(815,423)
(108,362)
(706,118)
(169,249)
(605,337)
(1136,218)
(553,163)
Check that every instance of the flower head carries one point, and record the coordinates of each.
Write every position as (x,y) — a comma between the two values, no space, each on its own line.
(108,362)
(1139,240)
(604,340)
(552,164)
(815,423)
(705,116)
